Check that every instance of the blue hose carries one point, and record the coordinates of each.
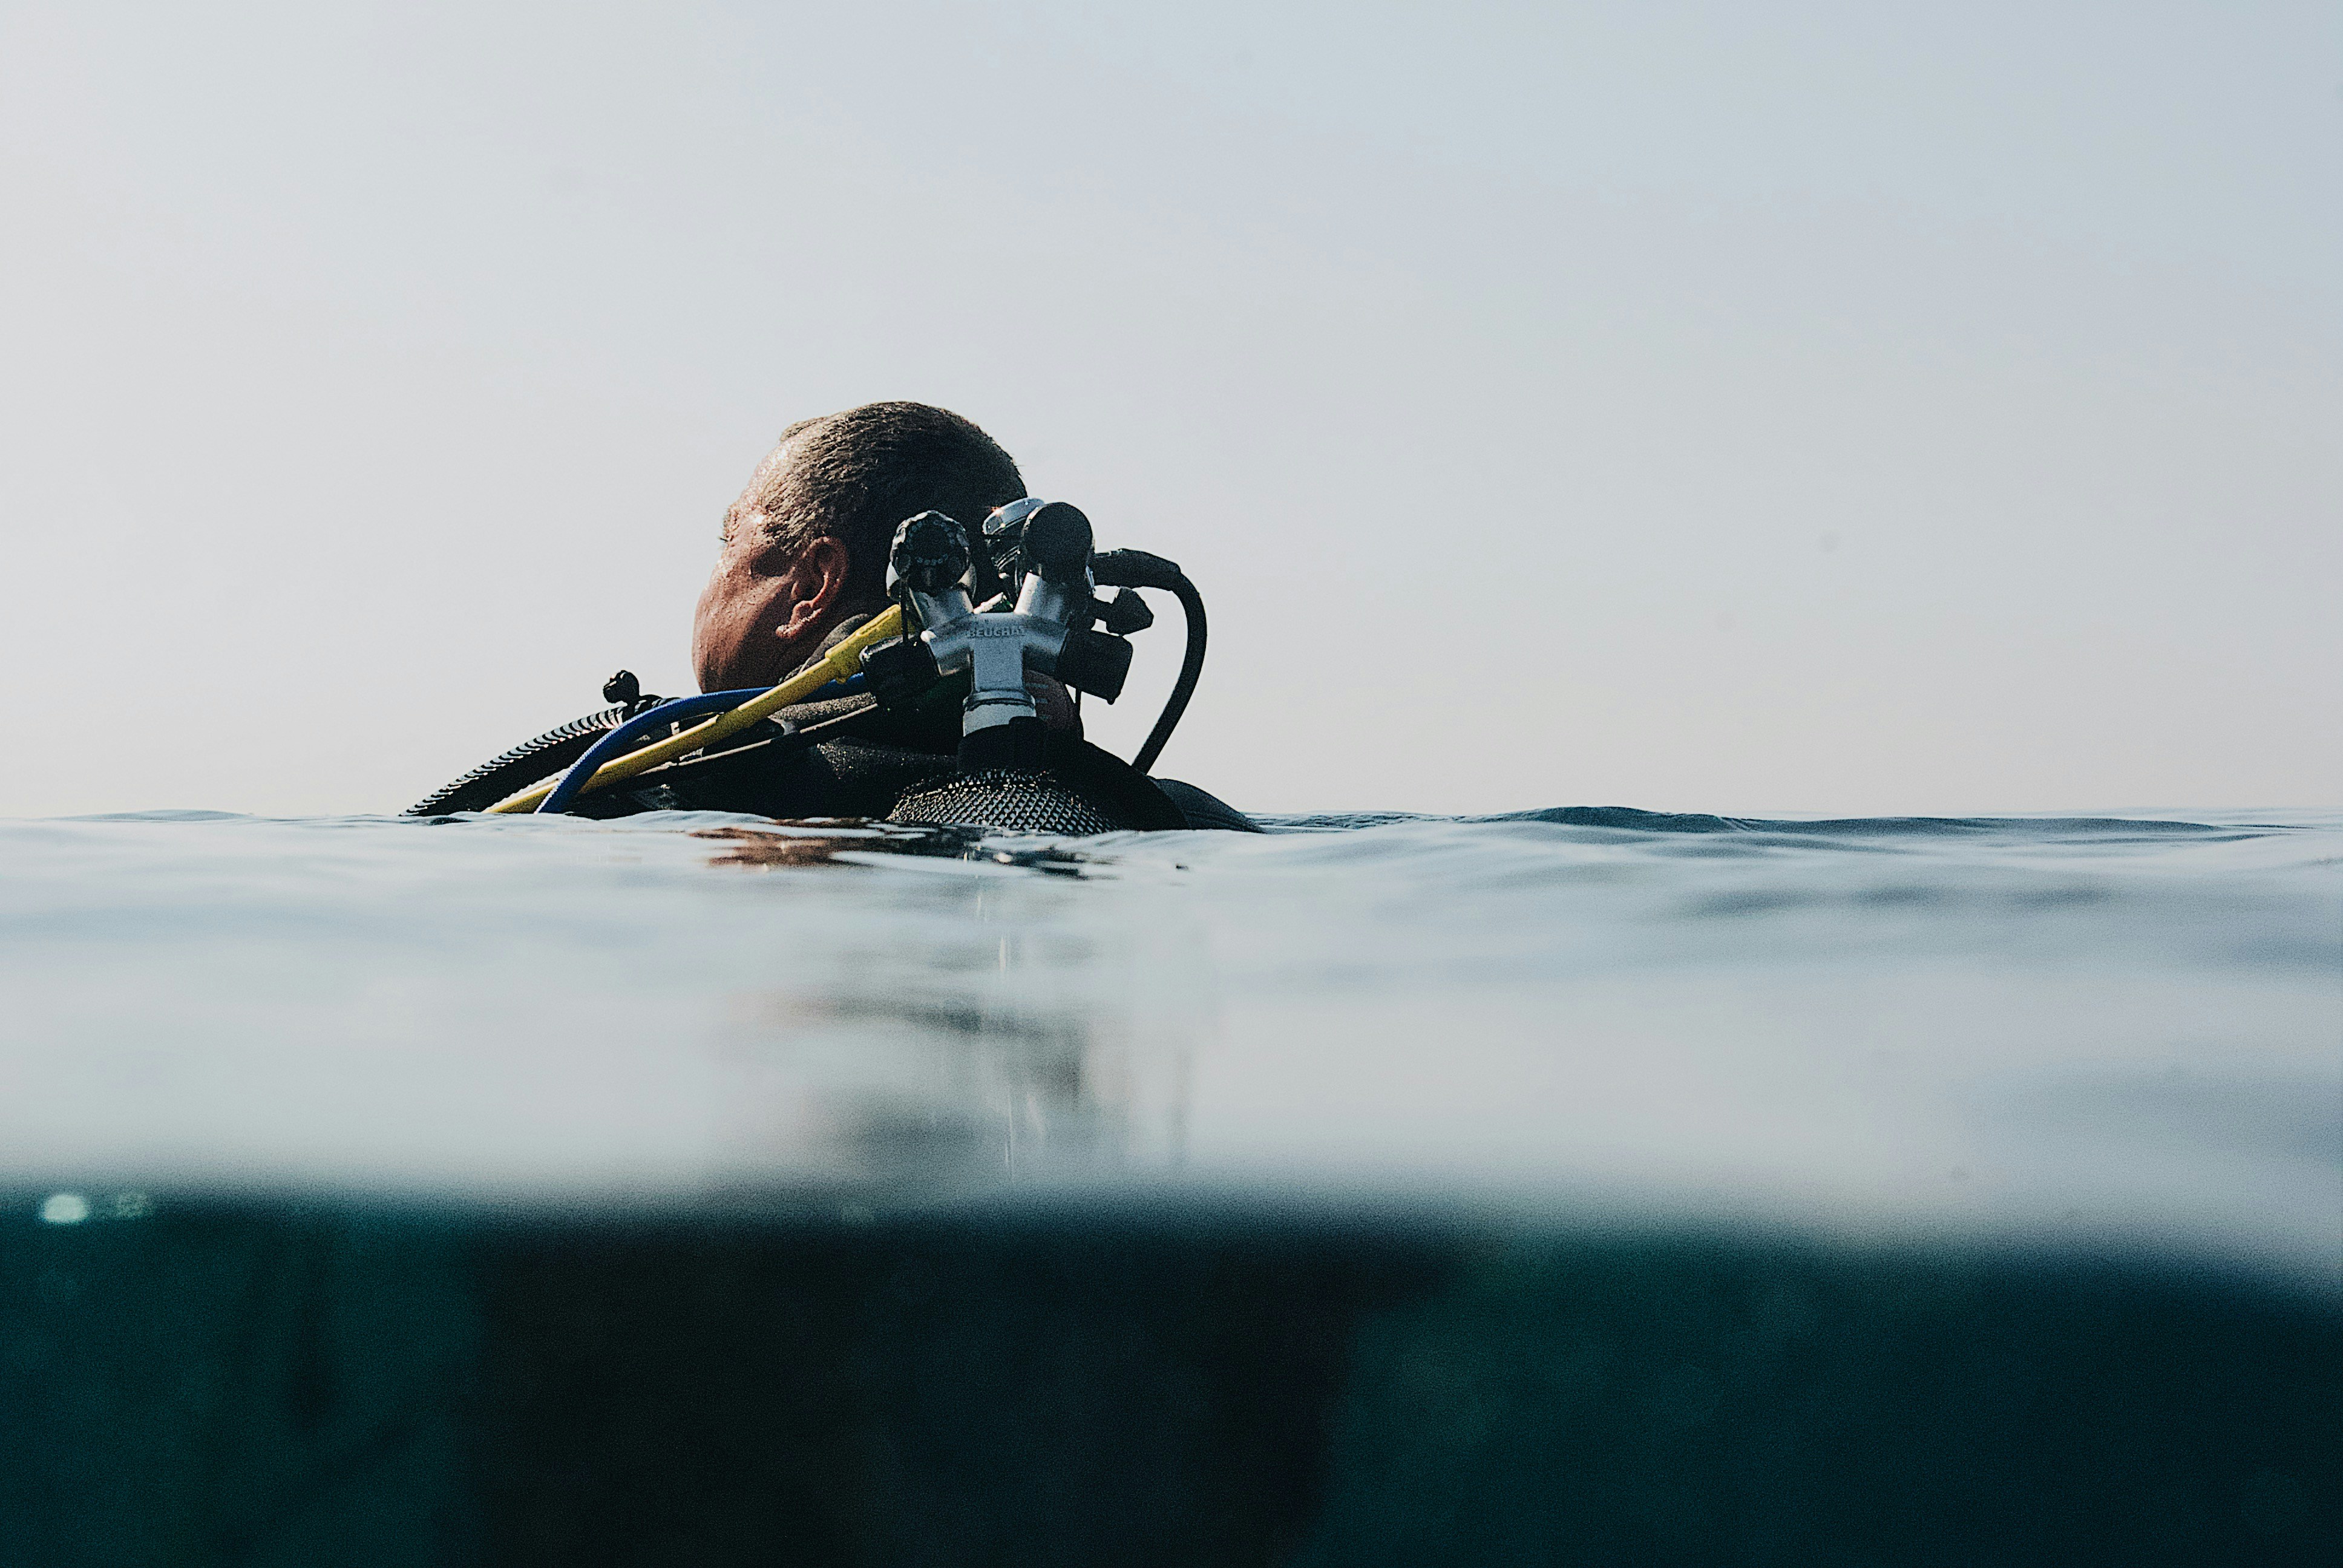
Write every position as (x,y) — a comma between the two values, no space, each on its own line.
(619,741)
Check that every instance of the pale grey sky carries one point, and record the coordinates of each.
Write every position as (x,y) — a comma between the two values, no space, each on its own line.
(1834,408)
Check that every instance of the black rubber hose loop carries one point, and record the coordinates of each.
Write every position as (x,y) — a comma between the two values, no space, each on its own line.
(1192,668)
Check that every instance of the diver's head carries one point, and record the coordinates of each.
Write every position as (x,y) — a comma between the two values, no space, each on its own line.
(806,544)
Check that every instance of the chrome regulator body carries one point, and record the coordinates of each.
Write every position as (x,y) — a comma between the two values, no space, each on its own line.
(934,564)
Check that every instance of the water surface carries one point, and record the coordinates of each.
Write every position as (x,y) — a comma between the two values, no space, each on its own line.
(2075,1032)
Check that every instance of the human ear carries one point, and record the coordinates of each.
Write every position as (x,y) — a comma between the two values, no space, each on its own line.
(817,584)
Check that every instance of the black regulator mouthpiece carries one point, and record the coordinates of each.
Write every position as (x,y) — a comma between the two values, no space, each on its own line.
(931,554)
(1056,543)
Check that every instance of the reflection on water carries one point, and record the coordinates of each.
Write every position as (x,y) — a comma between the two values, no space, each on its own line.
(836,841)
(967,1060)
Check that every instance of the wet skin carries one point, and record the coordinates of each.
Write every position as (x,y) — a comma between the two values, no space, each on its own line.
(766,610)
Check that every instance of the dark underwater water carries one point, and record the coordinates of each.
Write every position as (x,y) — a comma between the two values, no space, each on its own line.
(1659,1188)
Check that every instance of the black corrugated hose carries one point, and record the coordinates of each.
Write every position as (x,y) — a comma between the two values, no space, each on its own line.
(524,765)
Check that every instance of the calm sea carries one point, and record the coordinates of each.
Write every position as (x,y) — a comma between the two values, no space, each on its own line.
(2096,1033)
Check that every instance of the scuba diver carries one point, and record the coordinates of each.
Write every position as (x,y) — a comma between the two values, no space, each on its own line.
(893,630)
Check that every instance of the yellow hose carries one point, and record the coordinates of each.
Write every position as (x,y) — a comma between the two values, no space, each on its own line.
(839,662)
